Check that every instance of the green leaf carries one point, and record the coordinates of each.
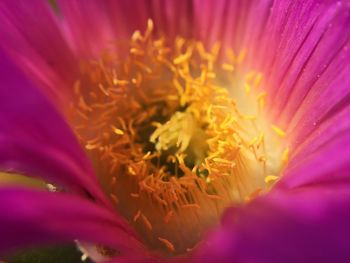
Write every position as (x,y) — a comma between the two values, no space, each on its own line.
(52,254)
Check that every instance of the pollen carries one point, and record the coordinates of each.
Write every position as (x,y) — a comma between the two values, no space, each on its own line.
(176,134)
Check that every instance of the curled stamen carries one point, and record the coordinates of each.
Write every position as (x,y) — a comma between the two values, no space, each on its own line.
(171,147)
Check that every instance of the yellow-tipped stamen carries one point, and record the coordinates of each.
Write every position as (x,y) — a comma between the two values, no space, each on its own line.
(270,178)
(285,156)
(170,145)
(241,56)
(278,131)
(167,243)
(228,67)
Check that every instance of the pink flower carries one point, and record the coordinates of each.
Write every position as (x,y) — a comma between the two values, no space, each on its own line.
(275,181)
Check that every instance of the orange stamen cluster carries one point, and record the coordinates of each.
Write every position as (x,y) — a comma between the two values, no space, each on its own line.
(171,148)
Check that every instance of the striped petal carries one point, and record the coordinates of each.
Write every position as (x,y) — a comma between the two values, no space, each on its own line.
(32,36)
(35,140)
(95,25)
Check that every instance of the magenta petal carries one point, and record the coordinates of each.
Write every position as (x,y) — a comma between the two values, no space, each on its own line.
(33,218)
(35,140)
(95,25)
(137,259)
(336,124)
(31,34)
(323,87)
(173,18)
(307,67)
(305,225)
(328,163)
(301,47)
(237,24)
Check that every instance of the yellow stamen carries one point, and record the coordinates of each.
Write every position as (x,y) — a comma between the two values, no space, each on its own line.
(167,243)
(241,56)
(285,156)
(171,147)
(146,222)
(278,131)
(228,67)
(117,131)
(270,179)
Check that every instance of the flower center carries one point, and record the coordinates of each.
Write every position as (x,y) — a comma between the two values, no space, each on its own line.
(176,135)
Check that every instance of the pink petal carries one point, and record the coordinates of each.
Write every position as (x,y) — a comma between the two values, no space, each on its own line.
(31,34)
(35,218)
(329,163)
(305,225)
(95,25)
(34,138)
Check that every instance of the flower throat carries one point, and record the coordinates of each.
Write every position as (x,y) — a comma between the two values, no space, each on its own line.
(171,148)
